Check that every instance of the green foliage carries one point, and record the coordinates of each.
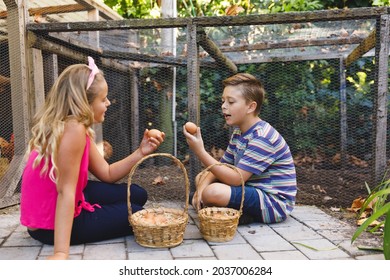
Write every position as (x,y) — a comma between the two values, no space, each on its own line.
(276,6)
(381,3)
(332,4)
(360,103)
(381,209)
(302,107)
(135,8)
(194,8)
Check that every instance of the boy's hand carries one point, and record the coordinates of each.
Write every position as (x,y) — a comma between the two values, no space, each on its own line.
(194,141)
(197,202)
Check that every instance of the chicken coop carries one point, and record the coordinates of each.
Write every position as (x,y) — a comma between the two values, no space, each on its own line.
(325,74)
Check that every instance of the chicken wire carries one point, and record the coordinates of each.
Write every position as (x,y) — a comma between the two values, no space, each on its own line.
(148,78)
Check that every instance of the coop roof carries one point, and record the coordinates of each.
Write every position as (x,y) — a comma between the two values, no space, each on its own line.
(59,11)
(231,40)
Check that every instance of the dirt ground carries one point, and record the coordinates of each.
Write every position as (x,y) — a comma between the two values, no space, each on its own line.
(332,190)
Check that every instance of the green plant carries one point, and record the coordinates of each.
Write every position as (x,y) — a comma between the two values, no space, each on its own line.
(381,209)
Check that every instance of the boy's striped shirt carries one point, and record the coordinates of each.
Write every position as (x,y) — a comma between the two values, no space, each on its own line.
(264,152)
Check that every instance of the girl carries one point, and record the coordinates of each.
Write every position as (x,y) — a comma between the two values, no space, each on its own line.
(259,152)
(58,204)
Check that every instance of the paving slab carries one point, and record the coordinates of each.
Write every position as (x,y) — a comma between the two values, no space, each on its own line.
(114,251)
(151,255)
(320,249)
(269,243)
(284,255)
(236,252)
(19,253)
(299,232)
(192,248)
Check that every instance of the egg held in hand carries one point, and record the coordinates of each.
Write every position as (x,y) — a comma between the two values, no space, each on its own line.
(191,127)
(154,133)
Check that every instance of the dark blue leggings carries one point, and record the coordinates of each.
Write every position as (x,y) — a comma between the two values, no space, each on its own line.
(110,221)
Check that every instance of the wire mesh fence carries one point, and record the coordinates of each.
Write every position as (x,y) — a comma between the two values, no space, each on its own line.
(324,110)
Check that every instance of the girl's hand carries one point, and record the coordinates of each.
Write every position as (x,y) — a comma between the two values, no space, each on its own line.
(150,144)
(58,256)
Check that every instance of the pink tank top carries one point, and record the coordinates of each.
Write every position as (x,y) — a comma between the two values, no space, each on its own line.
(39,194)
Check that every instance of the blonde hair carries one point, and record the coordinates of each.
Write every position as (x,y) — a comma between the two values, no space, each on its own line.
(67,100)
(251,88)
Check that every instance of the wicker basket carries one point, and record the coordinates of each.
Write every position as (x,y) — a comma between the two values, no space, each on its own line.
(160,227)
(219,224)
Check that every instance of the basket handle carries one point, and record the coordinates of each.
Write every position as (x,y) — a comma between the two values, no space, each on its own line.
(231,167)
(177,161)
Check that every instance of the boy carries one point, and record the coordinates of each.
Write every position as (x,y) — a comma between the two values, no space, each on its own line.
(259,153)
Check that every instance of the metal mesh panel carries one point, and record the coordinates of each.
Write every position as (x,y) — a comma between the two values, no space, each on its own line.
(6,129)
(150,81)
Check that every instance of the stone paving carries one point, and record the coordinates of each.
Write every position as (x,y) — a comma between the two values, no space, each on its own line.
(308,234)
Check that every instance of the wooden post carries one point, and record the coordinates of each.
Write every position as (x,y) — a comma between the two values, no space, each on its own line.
(343,114)
(134,96)
(193,94)
(16,26)
(36,75)
(380,98)
(167,97)
(93,40)
(93,36)
(50,64)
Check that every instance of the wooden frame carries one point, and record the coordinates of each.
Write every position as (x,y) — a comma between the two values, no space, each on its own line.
(29,39)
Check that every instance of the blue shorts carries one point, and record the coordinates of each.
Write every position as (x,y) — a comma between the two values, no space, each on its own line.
(252,207)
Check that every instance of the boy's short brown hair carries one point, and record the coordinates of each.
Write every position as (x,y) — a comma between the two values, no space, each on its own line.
(252,89)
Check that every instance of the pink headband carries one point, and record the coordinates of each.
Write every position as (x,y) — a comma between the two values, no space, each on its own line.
(94,71)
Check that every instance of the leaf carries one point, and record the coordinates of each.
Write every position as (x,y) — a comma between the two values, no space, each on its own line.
(167,53)
(39,18)
(344,33)
(158,181)
(133,45)
(313,248)
(356,204)
(386,237)
(373,197)
(157,85)
(318,188)
(370,248)
(186,159)
(303,111)
(366,224)
(374,230)
(359,205)
(372,224)
(336,158)
(234,10)
(216,153)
